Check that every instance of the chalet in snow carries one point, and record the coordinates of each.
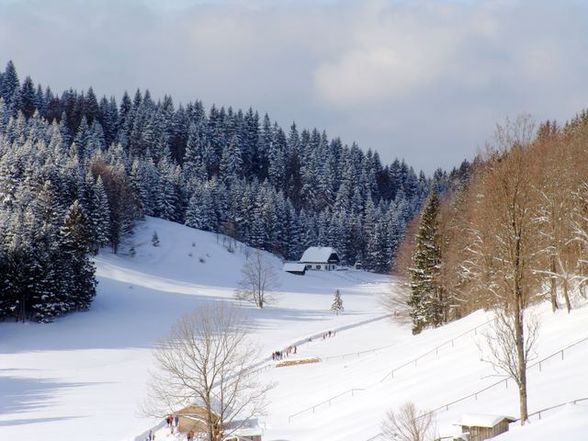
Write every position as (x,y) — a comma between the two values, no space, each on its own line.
(316,259)
(478,427)
(320,258)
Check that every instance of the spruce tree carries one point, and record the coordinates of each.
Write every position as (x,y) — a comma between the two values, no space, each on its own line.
(337,305)
(101,215)
(75,242)
(425,298)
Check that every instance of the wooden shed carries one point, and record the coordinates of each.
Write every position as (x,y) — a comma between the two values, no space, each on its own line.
(193,418)
(479,427)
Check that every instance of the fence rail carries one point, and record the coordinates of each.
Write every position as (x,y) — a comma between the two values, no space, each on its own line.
(559,352)
(557,406)
(435,350)
(391,373)
(328,402)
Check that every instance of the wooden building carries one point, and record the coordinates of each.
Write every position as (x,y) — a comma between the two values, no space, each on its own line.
(479,427)
(320,258)
(193,418)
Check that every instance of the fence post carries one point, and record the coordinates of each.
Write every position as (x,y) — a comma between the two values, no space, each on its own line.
(539,366)
(506,383)
(562,354)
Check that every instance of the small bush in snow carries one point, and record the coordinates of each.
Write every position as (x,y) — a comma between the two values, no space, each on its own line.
(155,239)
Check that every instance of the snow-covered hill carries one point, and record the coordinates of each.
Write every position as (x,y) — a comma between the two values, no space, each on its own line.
(84,376)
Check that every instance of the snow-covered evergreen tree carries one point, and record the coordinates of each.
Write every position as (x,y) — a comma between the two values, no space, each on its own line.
(426,298)
(80,284)
(337,305)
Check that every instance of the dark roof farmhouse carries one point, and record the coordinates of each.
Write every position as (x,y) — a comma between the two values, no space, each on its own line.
(320,258)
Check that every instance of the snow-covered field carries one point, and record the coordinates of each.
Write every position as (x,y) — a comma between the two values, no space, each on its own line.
(83,377)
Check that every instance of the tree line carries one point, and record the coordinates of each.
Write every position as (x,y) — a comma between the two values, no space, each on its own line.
(220,170)
(511,234)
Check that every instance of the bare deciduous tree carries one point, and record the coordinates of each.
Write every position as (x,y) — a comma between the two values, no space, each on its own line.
(206,361)
(409,424)
(504,251)
(501,350)
(258,282)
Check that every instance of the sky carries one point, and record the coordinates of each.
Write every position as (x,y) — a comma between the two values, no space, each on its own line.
(422,80)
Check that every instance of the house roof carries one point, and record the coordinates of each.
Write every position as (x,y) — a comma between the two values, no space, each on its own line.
(482,420)
(246,428)
(318,254)
(294,266)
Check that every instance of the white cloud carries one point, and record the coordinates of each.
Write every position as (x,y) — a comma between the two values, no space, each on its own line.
(393,51)
(374,71)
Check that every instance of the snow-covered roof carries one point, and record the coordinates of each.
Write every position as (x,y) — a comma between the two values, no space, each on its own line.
(294,266)
(482,420)
(318,254)
(246,428)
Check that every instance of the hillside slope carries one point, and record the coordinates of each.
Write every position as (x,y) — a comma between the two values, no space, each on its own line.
(86,373)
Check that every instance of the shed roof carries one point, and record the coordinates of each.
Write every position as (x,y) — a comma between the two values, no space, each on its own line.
(248,427)
(318,254)
(294,266)
(482,420)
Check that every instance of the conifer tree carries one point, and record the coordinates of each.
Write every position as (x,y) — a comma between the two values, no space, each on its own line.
(337,305)
(425,298)
(80,284)
(100,214)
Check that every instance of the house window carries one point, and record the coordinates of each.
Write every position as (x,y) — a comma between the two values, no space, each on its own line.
(318,267)
(308,267)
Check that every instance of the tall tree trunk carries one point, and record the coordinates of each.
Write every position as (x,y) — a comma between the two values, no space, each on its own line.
(519,325)
(553,285)
(521,364)
(567,294)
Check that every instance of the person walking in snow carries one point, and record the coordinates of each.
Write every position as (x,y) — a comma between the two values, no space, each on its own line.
(169,420)
(190,436)
(176,420)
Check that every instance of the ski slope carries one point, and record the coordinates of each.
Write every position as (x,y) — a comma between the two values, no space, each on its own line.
(84,376)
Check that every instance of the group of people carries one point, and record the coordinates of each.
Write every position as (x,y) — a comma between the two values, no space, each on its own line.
(284,353)
(279,355)
(172,421)
(328,334)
